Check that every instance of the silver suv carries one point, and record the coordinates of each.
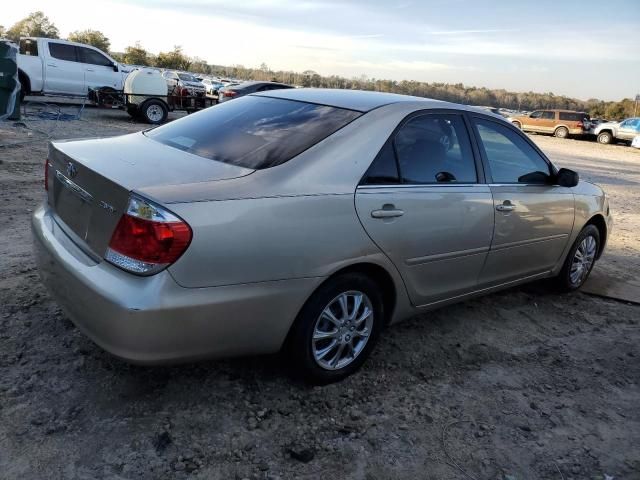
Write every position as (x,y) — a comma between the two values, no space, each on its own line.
(612,131)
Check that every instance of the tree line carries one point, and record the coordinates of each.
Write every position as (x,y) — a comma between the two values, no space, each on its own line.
(38,25)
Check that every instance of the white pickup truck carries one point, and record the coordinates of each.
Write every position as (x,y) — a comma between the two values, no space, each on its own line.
(49,66)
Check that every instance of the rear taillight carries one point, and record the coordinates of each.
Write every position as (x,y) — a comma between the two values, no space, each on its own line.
(148,238)
(46,174)
(580,125)
(229,93)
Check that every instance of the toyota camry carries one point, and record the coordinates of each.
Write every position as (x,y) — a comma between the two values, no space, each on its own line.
(303,221)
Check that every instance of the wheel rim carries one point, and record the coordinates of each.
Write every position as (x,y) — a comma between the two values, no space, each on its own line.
(342,330)
(154,113)
(604,138)
(562,132)
(583,260)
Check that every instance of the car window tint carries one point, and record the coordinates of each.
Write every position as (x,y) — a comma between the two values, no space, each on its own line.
(535,115)
(548,115)
(384,169)
(435,149)
(511,159)
(29,47)
(88,55)
(62,51)
(253,132)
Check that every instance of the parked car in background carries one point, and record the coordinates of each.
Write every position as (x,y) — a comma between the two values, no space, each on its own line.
(49,66)
(212,86)
(560,123)
(611,131)
(303,220)
(245,88)
(183,83)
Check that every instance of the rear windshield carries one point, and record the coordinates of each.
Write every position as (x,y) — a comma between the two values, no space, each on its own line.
(574,116)
(253,132)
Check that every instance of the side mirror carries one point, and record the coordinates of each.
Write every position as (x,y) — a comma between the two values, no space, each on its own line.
(115,67)
(445,177)
(567,178)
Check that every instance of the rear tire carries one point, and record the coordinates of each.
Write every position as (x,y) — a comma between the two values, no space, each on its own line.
(327,343)
(580,260)
(605,138)
(561,132)
(154,112)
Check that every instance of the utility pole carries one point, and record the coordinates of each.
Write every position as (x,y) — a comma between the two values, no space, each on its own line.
(635,107)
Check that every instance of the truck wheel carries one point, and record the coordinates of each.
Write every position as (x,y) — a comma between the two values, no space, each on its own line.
(154,112)
(561,132)
(605,138)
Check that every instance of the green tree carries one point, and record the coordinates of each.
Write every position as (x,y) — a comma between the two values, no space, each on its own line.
(136,55)
(36,24)
(91,37)
(3,31)
(174,60)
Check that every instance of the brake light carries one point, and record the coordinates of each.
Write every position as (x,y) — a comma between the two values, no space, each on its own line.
(46,175)
(148,238)
(229,93)
(580,125)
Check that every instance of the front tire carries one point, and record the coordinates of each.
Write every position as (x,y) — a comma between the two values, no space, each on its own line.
(336,329)
(605,138)
(580,260)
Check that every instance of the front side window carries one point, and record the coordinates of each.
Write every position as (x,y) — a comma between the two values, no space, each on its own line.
(535,115)
(253,132)
(546,115)
(29,47)
(510,157)
(92,57)
(435,148)
(62,51)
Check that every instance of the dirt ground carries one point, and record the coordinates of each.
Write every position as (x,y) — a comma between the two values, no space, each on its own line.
(523,384)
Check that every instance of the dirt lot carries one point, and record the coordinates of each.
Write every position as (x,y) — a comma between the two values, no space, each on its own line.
(524,384)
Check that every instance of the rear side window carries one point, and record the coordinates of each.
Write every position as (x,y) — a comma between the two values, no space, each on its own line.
(62,51)
(435,148)
(253,132)
(573,116)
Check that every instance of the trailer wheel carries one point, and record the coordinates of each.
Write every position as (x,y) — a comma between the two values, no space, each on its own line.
(154,112)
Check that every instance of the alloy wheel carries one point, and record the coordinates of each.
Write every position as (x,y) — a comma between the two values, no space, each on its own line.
(342,330)
(583,259)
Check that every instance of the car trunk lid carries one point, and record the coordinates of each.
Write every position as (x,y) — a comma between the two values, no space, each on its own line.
(90,181)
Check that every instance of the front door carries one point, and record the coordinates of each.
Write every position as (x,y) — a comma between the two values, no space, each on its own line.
(547,121)
(99,70)
(629,129)
(64,72)
(423,204)
(533,218)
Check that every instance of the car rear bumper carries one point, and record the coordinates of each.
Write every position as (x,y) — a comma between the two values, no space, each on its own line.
(151,320)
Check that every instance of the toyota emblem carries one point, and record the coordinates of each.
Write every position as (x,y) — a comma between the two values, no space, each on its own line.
(72,171)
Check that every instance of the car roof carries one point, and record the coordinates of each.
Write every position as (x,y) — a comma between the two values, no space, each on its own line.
(359,100)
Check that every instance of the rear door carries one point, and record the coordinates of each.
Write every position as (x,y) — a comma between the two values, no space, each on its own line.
(424,203)
(64,72)
(533,218)
(99,70)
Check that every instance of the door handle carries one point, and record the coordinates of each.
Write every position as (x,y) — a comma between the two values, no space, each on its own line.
(388,211)
(90,70)
(52,65)
(506,206)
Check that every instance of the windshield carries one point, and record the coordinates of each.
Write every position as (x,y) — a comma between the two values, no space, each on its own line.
(253,132)
(187,78)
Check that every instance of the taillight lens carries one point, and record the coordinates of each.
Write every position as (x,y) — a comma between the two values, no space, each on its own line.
(46,175)
(229,93)
(148,238)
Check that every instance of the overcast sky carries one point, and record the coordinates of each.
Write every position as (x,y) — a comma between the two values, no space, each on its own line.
(570,47)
